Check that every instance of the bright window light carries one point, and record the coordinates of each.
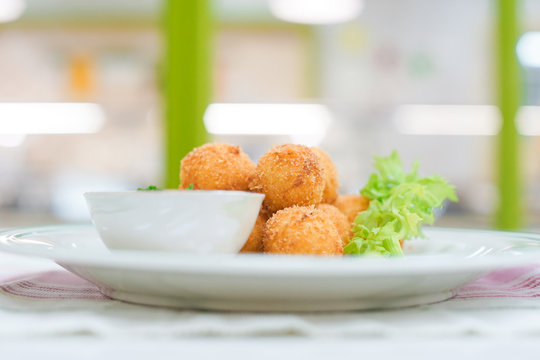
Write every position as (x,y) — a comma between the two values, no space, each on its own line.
(11,10)
(307,123)
(528,120)
(448,119)
(528,49)
(316,11)
(50,118)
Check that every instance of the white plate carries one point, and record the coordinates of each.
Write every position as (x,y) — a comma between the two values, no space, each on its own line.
(430,271)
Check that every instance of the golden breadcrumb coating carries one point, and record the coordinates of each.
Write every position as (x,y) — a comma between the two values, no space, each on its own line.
(216,166)
(351,205)
(301,230)
(343,225)
(331,178)
(254,244)
(289,175)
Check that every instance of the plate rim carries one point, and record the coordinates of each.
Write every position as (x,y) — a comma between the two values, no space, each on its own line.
(272,265)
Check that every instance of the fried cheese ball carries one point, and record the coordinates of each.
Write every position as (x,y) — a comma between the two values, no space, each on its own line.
(331,180)
(342,224)
(289,175)
(216,166)
(254,243)
(351,205)
(301,230)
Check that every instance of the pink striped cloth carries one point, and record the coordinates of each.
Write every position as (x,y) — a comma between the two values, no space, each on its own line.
(55,285)
(522,282)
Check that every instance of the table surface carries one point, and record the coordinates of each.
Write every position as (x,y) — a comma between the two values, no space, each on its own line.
(271,347)
(60,346)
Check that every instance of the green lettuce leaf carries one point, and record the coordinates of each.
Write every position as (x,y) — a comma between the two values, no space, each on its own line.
(390,174)
(400,203)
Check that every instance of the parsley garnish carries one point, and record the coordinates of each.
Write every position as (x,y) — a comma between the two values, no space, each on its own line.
(150,188)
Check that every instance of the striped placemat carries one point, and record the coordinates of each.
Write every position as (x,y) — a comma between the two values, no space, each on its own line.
(521,282)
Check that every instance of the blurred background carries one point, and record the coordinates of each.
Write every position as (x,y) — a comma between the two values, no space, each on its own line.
(110,94)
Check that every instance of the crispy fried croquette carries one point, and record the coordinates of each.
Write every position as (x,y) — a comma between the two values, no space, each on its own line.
(254,243)
(343,225)
(216,166)
(351,205)
(289,175)
(301,230)
(331,180)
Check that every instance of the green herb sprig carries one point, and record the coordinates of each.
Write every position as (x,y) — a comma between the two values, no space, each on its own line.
(149,188)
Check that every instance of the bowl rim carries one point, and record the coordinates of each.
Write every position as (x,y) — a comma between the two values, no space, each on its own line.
(174,192)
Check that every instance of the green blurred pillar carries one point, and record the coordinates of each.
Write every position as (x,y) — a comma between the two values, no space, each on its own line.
(186,80)
(510,212)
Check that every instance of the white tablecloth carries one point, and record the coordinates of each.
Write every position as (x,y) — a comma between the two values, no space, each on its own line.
(40,300)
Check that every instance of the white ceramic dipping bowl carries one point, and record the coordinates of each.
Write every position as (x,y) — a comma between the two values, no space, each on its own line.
(194,221)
